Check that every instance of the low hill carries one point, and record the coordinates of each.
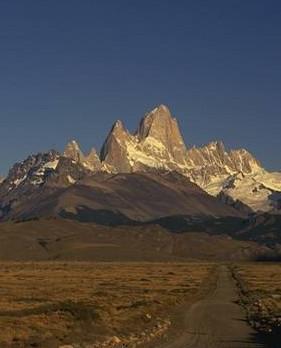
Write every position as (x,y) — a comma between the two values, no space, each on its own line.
(61,239)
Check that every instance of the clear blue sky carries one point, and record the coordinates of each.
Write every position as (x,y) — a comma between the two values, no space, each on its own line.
(68,69)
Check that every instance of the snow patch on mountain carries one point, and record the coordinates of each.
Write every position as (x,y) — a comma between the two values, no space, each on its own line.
(70,179)
(259,190)
(17,182)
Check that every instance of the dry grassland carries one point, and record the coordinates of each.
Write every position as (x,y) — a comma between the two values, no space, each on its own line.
(260,285)
(85,304)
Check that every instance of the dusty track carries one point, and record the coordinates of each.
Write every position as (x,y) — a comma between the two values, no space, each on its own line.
(217,321)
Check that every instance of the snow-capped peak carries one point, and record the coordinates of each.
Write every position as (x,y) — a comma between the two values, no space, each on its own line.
(158,144)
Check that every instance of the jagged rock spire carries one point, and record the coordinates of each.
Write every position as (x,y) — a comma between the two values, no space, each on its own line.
(160,125)
(114,149)
(90,161)
(73,151)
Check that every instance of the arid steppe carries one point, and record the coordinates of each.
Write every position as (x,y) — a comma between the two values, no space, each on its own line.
(52,304)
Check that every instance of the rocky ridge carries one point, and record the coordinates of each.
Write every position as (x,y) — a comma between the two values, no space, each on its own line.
(157,144)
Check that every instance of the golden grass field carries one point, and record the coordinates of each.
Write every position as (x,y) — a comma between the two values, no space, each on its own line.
(260,285)
(54,304)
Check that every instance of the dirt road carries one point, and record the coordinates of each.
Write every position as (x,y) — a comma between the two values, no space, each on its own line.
(217,321)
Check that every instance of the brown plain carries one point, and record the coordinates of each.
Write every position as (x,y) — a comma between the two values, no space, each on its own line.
(49,304)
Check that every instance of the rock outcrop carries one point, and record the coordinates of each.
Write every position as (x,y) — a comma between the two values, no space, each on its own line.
(90,161)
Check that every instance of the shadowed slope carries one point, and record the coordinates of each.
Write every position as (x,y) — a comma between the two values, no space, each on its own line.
(138,197)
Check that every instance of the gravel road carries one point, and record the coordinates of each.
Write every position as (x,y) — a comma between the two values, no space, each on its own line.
(217,321)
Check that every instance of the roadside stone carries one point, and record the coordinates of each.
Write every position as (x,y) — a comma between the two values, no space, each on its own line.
(115,340)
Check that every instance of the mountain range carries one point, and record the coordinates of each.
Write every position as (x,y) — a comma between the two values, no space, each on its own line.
(142,176)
